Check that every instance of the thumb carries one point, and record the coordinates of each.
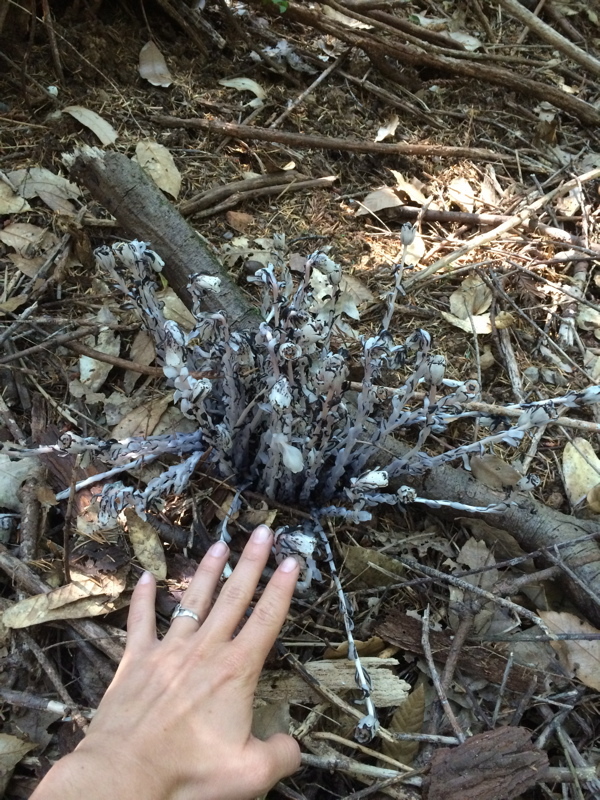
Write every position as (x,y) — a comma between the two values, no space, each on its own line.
(279,757)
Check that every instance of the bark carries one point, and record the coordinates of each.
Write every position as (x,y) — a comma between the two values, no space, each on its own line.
(124,189)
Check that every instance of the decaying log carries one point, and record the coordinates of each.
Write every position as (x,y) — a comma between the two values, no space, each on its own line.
(124,189)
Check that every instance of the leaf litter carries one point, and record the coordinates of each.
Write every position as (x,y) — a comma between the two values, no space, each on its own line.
(377,561)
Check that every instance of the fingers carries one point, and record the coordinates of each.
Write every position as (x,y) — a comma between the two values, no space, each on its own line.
(141,621)
(259,633)
(237,593)
(199,594)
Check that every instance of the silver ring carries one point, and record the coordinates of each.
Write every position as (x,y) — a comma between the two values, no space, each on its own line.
(180,611)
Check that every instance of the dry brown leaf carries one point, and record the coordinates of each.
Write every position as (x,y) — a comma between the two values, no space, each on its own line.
(377,200)
(93,373)
(28,266)
(492,471)
(461,193)
(504,319)
(246,85)
(593,499)
(389,129)
(239,221)
(83,597)
(371,647)
(581,469)
(146,545)
(370,567)
(97,124)
(10,202)
(158,163)
(412,188)
(22,237)
(501,543)
(142,352)
(407,718)
(358,291)
(271,718)
(580,657)
(52,189)
(143,419)
(10,305)
(474,555)
(153,67)
(175,310)
(12,750)
(474,297)
(481,323)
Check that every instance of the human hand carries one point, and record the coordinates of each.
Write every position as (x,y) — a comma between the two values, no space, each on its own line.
(175,722)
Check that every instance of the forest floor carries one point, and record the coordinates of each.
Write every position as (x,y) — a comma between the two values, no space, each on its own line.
(477,127)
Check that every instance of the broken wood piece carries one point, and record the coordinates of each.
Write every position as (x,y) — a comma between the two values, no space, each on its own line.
(498,765)
(217,194)
(139,206)
(406,632)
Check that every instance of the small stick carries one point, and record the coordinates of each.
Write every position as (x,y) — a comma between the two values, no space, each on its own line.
(436,678)
(511,365)
(123,363)
(51,342)
(52,40)
(28,700)
(11,423)
(219,193)
(309,89)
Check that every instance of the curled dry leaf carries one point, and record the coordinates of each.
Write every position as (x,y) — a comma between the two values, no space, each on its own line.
(153,67)
(481,324)
(12,750)
(146,545)
(581,657)
(10,202)
(389,129)
(371,647)
(83,597)
(142,352)
(158,163)
(412,189)
(97,124)
(377,200)
(371,568)
(247,85)
(581,469)
(142,420)
(239,221)
(461,193)
(492,471)
(52,189)
(93,373)
(174,309)
(472,298)
(407,718)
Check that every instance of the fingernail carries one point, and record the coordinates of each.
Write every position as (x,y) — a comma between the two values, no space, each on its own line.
(261,535)
(146,577)
(218,549)
(289,564)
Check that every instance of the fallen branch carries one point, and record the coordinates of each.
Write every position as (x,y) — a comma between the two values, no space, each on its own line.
(331,143)
(124,189)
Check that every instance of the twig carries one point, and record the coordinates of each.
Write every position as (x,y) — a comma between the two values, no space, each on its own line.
(509,224)
(52,341)
(511,364)
(123,363)
(329,143)
(219,193)
(548,34)
(441,693)
(309,89)
(11,423)
(28,700)
(48,21)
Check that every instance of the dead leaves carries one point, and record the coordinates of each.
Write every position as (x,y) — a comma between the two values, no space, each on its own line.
(580,657)
(83,597)
(158,163)
(153,67)
(581,470)
(146,545)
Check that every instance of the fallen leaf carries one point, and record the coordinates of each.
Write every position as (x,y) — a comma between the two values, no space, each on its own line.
(239,221)
(378,200)
(412,188)
(158,163)
(593,499)
(244,85)
(12,750)
(52,189)
(495,473)
(142,420)
(28,266)
(407,718)
(371,568)
(501,543)
(474,555)
(581,469)
(83,597)
(271,718)
(461,193)
(487,359)
(174,309)
(358,291)
(97,124)
(153,67)
(371,647)
(389,129)
(581,657)
(146,545)
(482,324)
(143,353)
(472,298)
(468,42)
(588,319)
(10,305)
(12,475)
(93,373)
(10,202)
(22,237)
(504,319)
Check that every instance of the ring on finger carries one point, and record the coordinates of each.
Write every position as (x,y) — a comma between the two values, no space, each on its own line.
(180,611)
